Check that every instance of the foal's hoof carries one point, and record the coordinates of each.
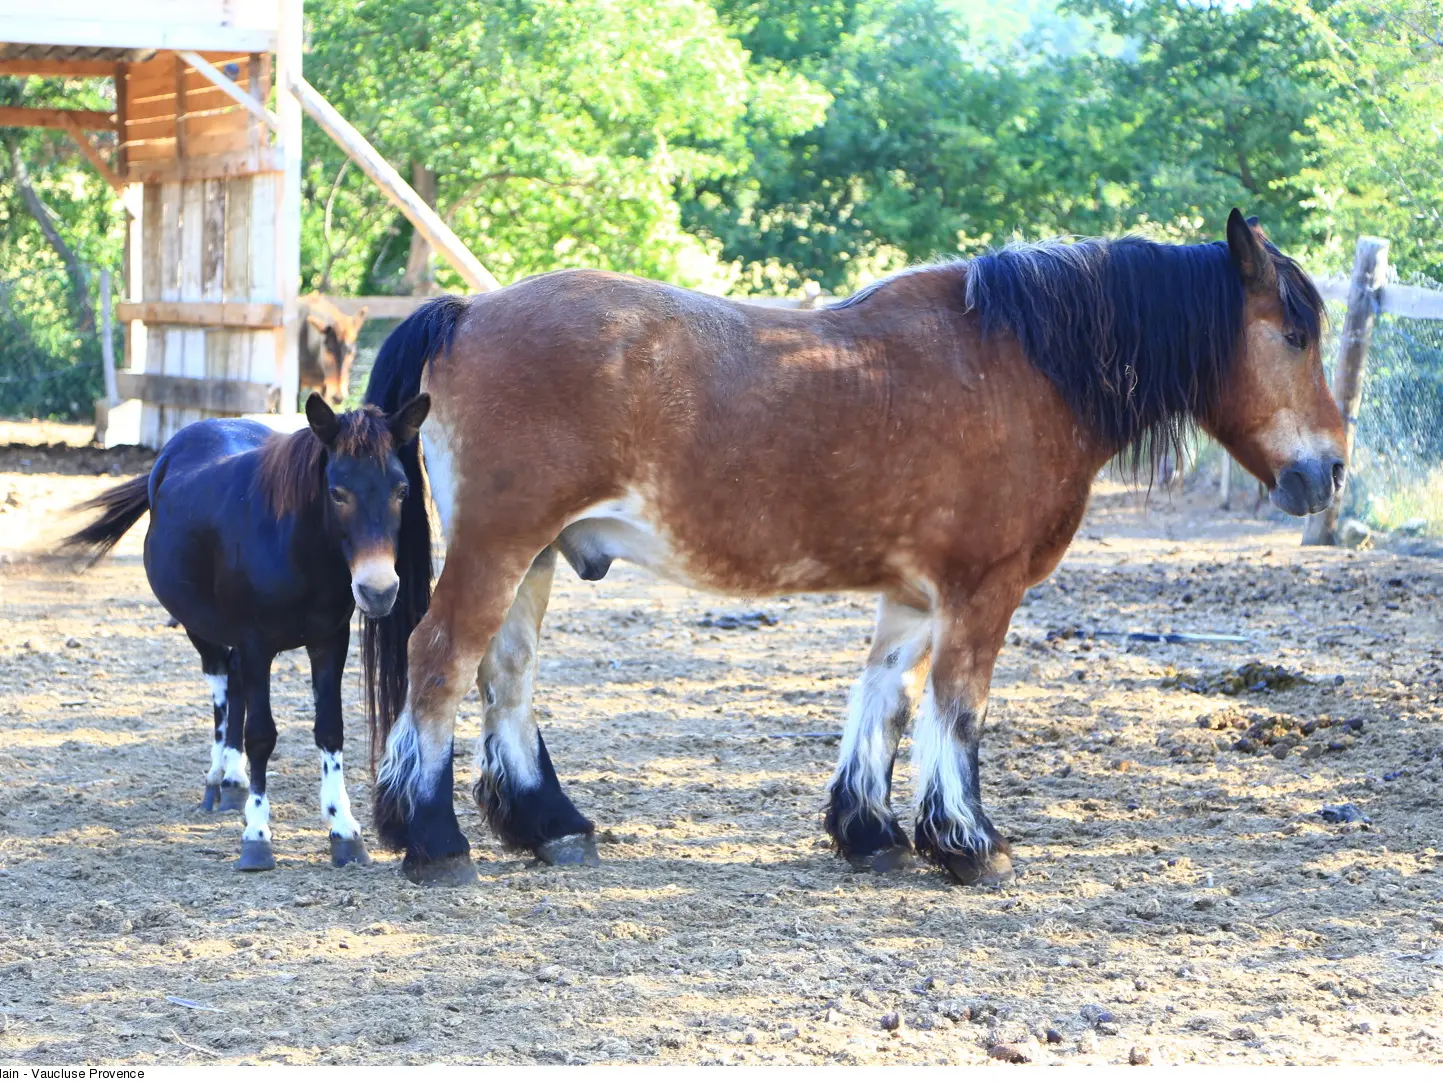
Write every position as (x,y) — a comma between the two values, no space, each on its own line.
(210,799)
(978,869)
(348,851)
(256,856)
(892,859)
(571,849)
(455,871)
(232,797)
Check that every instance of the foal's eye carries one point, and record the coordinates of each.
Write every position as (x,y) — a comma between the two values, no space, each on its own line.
(338,494)
(1297,339)
(402,491)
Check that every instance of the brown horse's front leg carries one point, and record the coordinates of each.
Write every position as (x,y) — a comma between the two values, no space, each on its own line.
(414,782)
(952,828)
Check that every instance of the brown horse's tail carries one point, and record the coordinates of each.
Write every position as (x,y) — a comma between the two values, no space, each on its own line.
(123,505)
(395,380)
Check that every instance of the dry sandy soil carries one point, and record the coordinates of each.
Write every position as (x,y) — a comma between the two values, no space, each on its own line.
(1180,896)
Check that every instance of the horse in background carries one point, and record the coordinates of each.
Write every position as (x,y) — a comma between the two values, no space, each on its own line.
(260,543)
(933,440)
(327,345)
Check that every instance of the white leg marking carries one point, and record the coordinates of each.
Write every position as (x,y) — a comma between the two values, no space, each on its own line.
(870,736)
(218,686)
(942,779)
(233,768)
(510,681)
(411,765)
(258,819)
(335,804)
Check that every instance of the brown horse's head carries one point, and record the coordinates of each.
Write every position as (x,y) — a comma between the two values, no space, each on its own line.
(1274,411)
(336,334)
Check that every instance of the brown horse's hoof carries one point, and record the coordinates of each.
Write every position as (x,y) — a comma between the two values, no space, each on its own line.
(892,859)
(256,856)
(978,869)
(348,851)
(573,849)
(232,797)
(457,871)
(210,799)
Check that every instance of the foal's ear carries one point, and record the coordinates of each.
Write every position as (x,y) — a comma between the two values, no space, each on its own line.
(1245,245)
(407,421)
(323,419)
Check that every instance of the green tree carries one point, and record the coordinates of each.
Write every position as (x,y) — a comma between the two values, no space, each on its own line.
(560,131)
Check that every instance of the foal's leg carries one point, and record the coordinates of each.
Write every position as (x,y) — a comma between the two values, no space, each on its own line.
(951,828)
(225,782)
(260,739)
(414,808)
(328,665)
(516,785)
(859,813)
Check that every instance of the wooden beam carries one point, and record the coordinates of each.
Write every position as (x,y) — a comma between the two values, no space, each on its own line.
(64,69)
(1370,271)
(129,194)
(427,222)
(213,26)
(237,163)
(202,313)
(181,392)
(216,76)
(14,116)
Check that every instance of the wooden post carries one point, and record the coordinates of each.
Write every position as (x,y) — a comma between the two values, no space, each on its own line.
(427,222)
(1370,269)
(107,343)
(289,46)
(1225,482)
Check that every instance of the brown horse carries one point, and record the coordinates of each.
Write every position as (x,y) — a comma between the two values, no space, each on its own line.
(931,440)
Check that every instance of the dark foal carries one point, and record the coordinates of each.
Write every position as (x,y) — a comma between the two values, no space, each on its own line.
(260,543)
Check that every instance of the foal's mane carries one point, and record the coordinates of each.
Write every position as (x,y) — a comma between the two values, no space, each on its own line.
(292,467)
(1136,336)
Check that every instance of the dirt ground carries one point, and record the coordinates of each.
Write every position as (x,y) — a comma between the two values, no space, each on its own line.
(1180,897)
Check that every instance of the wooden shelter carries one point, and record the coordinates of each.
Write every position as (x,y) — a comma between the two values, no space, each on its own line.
(210,175)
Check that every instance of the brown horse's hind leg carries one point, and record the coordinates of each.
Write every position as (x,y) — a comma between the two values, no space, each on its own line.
(951,827)
(516,785)
(415,777)
(859,812)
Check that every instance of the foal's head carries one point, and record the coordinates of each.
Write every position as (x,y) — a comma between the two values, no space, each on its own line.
(1274,411)
(364,487)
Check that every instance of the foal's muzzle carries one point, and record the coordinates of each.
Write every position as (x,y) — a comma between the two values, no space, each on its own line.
(374,585)
(1308,485)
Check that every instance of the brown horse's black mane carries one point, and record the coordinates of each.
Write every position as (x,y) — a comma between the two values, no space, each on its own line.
(1136,336)
(292,467)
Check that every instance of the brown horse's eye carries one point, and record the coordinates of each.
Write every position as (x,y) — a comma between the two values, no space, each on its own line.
(338,494)
(1296,339)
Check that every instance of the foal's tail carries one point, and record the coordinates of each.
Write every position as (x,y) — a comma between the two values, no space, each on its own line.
(123,505)
(396,379)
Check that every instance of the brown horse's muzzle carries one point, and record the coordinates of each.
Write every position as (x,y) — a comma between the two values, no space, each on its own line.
(1308,485)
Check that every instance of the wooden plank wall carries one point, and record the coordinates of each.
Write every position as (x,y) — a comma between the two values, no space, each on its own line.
(203,238)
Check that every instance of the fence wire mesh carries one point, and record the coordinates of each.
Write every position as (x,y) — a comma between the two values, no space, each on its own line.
(1396,476)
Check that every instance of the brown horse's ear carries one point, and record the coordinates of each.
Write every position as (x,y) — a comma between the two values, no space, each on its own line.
(318,323)
(360,317)
(407,421)
(1245,245)
(323,419)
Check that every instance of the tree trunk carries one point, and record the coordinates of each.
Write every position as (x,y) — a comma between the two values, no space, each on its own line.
(81,307)
(420,277)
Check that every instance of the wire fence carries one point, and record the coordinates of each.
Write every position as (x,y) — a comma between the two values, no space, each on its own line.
(49,365)
(1396,476)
